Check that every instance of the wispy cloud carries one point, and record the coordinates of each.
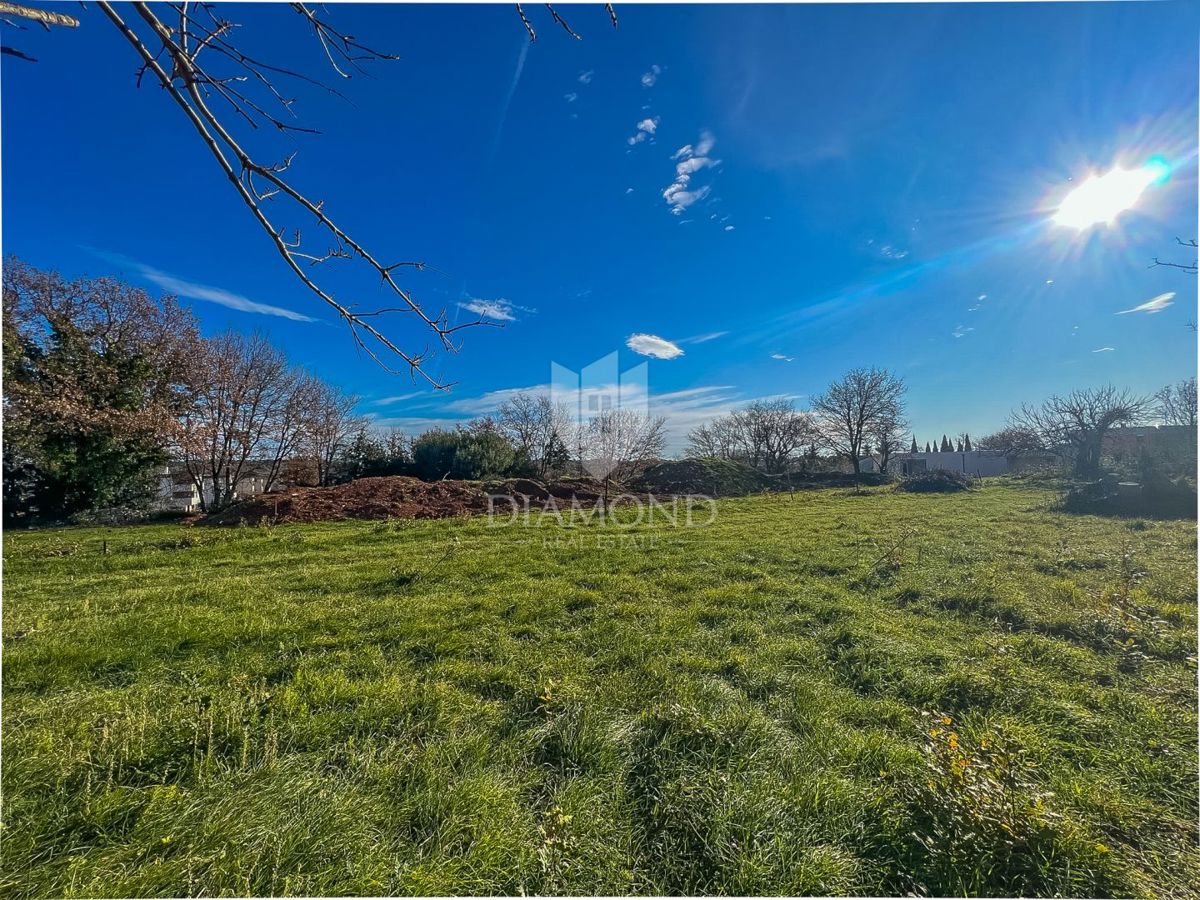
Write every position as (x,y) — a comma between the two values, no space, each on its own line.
(887,251)
(729,228)
(962,331)
(192,290)
(645,129)
(1153,305)
(653,346)
(680,193)
(412,425)
(586,77)
(399,398)
(571,97)
(781,357)
(649,79)
(490,401)
(703,338)
(500,310)
(1104,349)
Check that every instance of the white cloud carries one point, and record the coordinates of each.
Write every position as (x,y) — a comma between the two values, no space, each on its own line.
(962,331)
(653,346)
(1104,349)
(1049,281)
(680,199)
(651,77)
(645,129)
(629,190)
(191,290)
(1153,305)
(780,356)
(889,252)
(571,97)
(679,194)
(729,228)
(500,310)
(586,77)
(982,297)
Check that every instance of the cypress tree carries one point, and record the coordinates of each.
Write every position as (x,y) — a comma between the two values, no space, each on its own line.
(913,448)
(927,450)
(959,447)
(946,448)
(967,442)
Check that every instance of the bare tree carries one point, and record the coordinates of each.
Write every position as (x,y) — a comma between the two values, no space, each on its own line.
(1010,439)
(618,443)
(719,439)
(1176,403)
(857,406)
(767,434)
(535,425)
(1077,423)
(328,426)
(774,432)
(888,437)
(241,389)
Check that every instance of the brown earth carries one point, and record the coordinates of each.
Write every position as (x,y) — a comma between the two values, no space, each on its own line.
(400,497)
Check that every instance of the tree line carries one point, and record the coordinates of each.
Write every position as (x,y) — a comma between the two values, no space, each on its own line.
(862,414)
(104,385)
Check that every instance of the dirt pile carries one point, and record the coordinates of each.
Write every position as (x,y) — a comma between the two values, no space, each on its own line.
(397,497)
(709,477)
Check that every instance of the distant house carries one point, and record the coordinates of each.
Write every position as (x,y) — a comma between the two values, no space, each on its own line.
(178,492)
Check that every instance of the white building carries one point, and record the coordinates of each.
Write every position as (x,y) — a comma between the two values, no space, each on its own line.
(971,462)
(177,490)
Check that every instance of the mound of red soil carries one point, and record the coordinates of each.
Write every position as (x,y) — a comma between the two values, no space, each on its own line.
(395,497)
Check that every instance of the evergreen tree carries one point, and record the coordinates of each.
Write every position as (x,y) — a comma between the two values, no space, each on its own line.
(913,448)
(959,447)
(967,443)
(946,448)
(927,447)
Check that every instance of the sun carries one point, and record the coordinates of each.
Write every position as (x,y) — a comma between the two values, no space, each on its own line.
(1101,198)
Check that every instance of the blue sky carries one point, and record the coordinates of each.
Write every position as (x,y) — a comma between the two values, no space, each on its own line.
(865,185)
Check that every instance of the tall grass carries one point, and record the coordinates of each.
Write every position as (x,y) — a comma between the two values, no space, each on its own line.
(827,693)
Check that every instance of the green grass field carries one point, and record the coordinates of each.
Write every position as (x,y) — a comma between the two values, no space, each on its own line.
(830,693)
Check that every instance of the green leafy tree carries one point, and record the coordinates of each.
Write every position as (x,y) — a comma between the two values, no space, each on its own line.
(94,379)
(434,452)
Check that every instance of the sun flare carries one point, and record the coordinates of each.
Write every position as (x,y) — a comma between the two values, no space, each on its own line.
(1101,198)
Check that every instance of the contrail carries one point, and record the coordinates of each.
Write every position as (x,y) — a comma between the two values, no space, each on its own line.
(512,89)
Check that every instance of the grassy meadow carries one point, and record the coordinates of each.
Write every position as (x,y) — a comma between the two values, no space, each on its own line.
(835,692)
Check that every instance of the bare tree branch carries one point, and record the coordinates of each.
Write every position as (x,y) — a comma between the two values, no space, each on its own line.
(187,84)
(561,21)
(43,16)
(1193,267)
